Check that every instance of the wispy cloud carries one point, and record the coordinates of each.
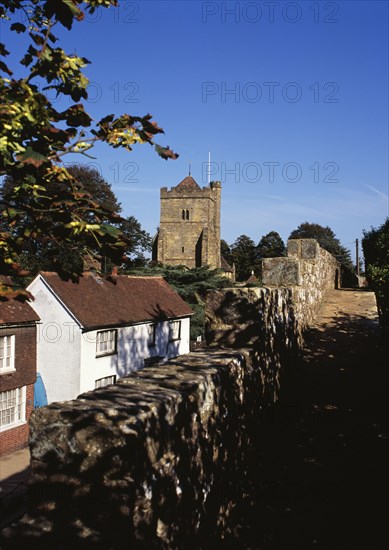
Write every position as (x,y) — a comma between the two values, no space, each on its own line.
(382,195)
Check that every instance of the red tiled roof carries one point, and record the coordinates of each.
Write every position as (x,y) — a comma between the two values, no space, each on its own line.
(188,184)
(14,312)
(117,300)
(252,279)
(225,265)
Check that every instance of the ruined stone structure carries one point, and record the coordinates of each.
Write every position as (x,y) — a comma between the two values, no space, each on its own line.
(189,232)
(154,461)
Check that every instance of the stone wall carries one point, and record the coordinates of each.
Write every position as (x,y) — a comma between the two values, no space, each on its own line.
(294,288)
(189,232)
(156,460)
(309,271)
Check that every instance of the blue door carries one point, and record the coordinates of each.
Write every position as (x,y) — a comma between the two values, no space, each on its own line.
(40,397)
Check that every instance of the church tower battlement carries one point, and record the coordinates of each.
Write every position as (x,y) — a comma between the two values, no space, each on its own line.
(189,231)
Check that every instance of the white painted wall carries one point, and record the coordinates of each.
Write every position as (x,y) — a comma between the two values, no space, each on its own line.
(94,367)
(58,345)
(181,346)
(132,350)
(67,358)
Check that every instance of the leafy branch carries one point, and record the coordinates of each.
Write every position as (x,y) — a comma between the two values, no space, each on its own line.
(35,136)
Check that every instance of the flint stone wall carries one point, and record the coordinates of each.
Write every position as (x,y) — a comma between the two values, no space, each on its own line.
(156,460)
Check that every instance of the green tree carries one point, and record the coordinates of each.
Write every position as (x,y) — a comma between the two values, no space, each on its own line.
(225,251)
(39,253)
(192,285)
(244,255)
(139,242)
(35,137)
(327,240)
(375,244)
(271,246)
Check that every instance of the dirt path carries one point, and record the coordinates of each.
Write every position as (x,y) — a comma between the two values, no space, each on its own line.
(320,478)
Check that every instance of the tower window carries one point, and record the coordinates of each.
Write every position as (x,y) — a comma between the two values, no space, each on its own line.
(185,214)
(183,249)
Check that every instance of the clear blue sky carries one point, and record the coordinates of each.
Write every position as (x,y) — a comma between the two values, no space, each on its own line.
(291,98)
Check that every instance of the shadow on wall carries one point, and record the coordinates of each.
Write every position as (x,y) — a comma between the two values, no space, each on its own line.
(262,319)
(151,462)
(158,460)
(321,451)
(135,350)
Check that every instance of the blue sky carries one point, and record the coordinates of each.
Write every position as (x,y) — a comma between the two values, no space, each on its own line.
(290,98)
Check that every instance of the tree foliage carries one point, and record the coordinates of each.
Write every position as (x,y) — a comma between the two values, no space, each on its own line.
(225,251)
(271,246)
(39,253)
(327,240)
(192,285)
(375,244)
(35,137)
(138,242)
(243,254)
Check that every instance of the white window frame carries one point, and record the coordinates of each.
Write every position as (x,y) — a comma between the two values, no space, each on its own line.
(7,353)
(106,342)
(106,381)
(12,408)
(174,330)
(151,334)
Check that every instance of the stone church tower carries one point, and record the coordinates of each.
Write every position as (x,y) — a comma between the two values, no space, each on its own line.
(189,231)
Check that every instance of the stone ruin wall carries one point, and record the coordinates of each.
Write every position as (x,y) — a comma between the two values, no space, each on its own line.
(155,461)
(309,271)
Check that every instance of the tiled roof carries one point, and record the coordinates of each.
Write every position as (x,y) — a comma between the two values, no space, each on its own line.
(225,265)
(188,184)
(117,300)
(14,312)
(252,279)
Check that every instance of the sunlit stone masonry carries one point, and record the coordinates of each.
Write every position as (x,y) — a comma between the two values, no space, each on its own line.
(157,460)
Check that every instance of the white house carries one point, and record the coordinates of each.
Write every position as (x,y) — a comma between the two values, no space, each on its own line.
(100,329)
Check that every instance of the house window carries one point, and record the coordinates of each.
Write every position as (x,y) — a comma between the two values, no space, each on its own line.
(102,382)
(151,329)
(174,330)
(106,342)
(12,407)
(7,353)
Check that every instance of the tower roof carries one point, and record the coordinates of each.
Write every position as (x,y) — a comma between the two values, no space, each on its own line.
(188,184)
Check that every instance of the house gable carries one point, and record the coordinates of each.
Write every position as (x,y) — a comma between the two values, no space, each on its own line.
(117,300)
(59,337)
(91,316)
